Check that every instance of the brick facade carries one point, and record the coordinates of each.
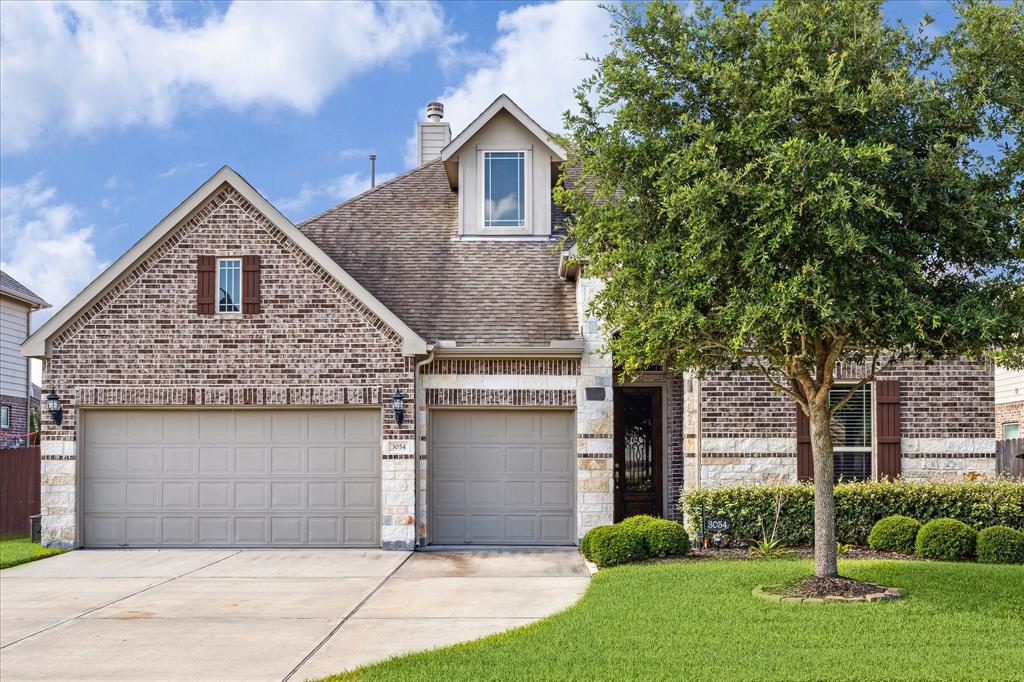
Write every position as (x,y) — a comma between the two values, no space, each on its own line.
(143,343)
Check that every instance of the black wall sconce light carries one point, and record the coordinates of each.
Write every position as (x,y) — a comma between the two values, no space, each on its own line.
(54,408)
(398,402)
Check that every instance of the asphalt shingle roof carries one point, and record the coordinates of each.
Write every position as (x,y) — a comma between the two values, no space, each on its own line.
(397,241)
(12,287)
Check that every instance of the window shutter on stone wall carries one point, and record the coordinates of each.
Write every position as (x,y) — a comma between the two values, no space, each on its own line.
(250,285)
(205,283)
(887,427)
(804,456)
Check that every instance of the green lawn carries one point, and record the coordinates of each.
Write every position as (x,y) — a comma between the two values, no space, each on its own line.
(698,621)
(22,551)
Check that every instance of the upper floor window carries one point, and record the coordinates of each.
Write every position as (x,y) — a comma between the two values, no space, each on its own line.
(504,191)
(5,417)
(1011,431)
(852,434)
(229,285)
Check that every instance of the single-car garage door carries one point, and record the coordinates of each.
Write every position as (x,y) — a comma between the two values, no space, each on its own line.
(223,478)
(501,477)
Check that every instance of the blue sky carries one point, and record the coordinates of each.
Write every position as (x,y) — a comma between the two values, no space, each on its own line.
(110,115)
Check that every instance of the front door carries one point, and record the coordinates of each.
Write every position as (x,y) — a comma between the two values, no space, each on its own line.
(638,450)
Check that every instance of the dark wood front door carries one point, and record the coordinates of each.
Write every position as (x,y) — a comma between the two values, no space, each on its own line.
(638,451)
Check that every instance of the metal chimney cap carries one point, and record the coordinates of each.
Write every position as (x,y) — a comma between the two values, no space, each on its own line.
(435,111)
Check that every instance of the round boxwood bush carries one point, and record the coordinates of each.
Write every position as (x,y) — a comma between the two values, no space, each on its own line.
(946,540)
(618,544)
(894,534)
(665,538)
(1000,545)
(587,539)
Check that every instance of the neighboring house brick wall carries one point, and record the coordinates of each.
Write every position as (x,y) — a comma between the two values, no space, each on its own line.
(1009,413)
(144,344)
(18,406)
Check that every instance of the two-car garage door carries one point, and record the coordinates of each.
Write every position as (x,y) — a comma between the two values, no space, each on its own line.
(231,478)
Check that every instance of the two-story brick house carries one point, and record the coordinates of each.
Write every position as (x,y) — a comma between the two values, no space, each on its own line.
(17,303)
(413,366)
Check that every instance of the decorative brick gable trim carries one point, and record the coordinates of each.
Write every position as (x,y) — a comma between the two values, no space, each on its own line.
(226,396)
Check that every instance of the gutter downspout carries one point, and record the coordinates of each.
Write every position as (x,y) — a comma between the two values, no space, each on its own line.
(416,446)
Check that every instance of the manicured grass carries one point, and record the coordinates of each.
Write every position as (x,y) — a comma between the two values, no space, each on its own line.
(22,551)
(698,621)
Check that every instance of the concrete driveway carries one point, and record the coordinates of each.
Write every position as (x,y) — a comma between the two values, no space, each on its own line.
(262,614)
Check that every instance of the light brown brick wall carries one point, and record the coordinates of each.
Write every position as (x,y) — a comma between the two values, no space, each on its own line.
(1009,413)
(143,343)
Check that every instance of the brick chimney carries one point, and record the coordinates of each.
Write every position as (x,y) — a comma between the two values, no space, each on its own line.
(433,134)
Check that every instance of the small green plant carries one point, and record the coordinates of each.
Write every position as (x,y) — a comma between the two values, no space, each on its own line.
(618,544)
(768,548)
(771,545)
(1000,545)
(946,540)
(843,548)
(894,534)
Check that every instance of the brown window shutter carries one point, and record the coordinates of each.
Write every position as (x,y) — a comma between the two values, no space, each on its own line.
(887,427)
(205,282)
(804,456)
(250,285)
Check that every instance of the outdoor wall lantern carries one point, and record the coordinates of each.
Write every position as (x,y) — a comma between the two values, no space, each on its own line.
(53,406)
(398,402)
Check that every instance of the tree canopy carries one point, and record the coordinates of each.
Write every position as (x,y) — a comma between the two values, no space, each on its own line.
(788,187)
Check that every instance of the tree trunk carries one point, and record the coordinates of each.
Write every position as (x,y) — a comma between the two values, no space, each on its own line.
(824,501)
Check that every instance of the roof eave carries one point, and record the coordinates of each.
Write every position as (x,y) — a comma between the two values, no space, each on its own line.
(33,302)
(502,102)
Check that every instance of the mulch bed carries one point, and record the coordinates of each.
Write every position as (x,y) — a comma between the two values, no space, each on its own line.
(734,553)
(813,586)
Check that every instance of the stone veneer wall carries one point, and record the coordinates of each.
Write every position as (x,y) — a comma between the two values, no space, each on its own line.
(595,486)
(487,382)
(143,344)
(1009,413)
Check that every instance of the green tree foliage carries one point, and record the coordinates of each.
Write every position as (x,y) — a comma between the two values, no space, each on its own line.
(785,188)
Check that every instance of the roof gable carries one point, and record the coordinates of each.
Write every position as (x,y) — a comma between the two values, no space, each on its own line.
(15,289)
(502,103)
(37,345)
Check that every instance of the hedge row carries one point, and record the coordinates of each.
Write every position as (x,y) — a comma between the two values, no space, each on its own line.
(858,507)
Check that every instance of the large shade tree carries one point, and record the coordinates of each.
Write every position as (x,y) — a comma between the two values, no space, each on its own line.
(787,187)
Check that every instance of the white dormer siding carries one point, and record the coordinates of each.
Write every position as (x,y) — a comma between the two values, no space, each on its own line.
(503,133)
(432,136)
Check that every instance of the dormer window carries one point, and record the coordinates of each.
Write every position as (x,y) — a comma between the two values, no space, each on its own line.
(229,285)
(505,186)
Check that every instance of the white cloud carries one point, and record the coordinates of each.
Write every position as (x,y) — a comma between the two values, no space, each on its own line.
(76,68)
(182,169)
(337,189)
(537,60)
(44,244)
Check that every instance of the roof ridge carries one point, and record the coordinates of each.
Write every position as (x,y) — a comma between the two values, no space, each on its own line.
(366,193)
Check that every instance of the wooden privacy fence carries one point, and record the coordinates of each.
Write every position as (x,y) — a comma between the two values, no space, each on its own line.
(1010,457)
(19,489)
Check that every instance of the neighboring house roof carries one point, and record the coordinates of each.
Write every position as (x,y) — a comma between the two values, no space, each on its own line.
(15,289)
(37,344)
(401,241)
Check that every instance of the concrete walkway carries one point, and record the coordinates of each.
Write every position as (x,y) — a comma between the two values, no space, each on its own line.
(263,614)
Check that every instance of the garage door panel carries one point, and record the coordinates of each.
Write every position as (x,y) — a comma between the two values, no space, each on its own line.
(222,478)
(501,477)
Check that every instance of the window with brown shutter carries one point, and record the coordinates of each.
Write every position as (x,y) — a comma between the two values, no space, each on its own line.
(887,430)
(250,285)
(205,283)
(804,456)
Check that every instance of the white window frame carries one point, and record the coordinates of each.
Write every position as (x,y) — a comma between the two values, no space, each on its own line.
(527,225)
(216,289)
(871,450)
(5,417)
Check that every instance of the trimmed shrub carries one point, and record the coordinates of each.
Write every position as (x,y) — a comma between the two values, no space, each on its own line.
(666,538)
(586,540)
(894,534)
(859,506)
(946,540)
(1000,545)
(618,544)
